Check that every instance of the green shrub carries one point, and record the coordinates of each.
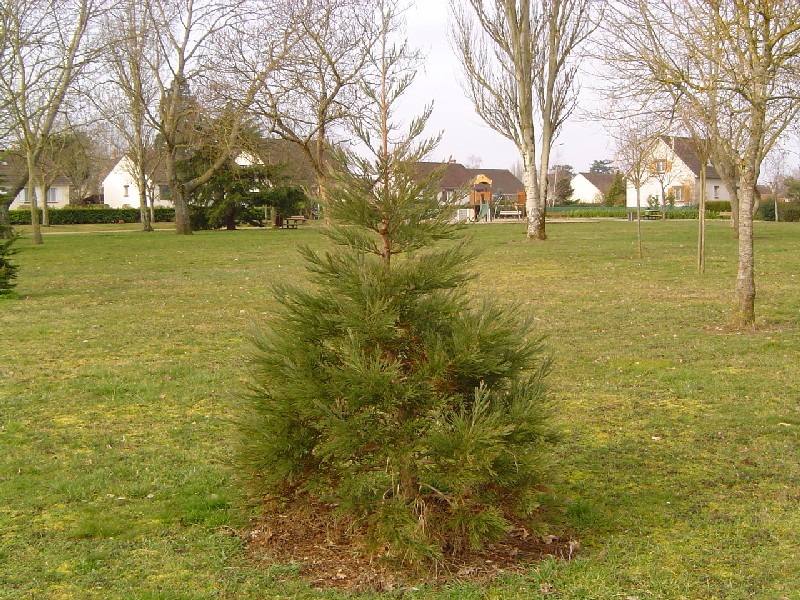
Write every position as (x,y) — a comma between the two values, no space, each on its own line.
(8,270)
(787,211)
(199,217)
(717,206)
(616,212)
(85,215)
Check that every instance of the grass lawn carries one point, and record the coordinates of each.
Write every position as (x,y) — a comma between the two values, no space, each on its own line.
(679,470)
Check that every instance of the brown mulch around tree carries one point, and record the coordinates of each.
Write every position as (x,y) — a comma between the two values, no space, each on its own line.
(331,557)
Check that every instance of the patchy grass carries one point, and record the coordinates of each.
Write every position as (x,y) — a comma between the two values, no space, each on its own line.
(123,358)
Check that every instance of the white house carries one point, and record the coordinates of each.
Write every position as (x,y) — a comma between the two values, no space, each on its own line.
(591,188)
(57,194)
(673,172)
(56,191)
(120,189)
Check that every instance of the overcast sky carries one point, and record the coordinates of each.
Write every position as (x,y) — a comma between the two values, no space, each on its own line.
(465,134)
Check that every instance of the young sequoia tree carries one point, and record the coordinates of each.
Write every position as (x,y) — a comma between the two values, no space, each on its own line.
(382,386)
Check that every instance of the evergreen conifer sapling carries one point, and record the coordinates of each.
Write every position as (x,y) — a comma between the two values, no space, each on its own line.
(383,386)
(8,270)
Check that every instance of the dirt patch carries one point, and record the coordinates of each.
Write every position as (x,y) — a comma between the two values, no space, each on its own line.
(332,555)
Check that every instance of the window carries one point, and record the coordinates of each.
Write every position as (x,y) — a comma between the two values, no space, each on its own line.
(125,195)
(659,167)
(164,192)
(716,192)
(52,195)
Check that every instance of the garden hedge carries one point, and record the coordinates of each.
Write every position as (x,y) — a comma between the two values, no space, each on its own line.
(787,211)
(84,215)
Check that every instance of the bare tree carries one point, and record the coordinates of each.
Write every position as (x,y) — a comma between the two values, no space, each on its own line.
(520,60)
(661,169)
(44,52)
(130,95)
(208,61)
(316,95)
(739,61)
(634,137)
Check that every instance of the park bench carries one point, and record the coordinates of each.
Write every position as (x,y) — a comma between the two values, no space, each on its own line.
(293,221)
(652,214)
(725,215)
(517,214)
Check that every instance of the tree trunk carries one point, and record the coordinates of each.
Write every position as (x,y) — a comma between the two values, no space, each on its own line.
(183,225)
(745,279)
(45,208)
(35,228)
(733,194)
(144,215)
(230,218)
(533,205)
(701,223)
(639,220)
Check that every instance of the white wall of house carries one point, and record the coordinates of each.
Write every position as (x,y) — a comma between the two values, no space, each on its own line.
(120,189)
(584,190)
(715,190)
(57,197)
(665,169)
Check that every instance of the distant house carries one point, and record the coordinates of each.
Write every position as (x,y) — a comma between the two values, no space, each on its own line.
(591,188)
(673,174)
(56,191)
(481,192)
(121,190)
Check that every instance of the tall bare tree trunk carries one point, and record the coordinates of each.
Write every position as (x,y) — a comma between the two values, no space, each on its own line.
(32,181)
(745,278)
(36,229)
(639,221)
(183,224)
(144,214)
(533,204)
(45,208)
(701,223)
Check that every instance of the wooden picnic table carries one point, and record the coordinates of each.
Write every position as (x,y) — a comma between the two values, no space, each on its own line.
(293,221)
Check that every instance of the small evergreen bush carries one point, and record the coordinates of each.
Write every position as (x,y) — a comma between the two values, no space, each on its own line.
(8,270)
(616,195)
(383,387)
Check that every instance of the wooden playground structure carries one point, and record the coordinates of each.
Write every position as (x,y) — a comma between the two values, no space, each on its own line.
(486,208)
